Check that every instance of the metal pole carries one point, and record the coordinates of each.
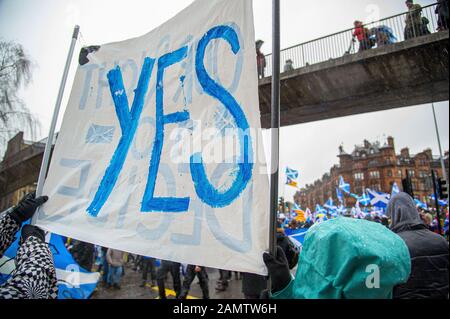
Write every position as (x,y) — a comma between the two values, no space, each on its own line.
(51,134)
(436,201)
(444,172)
(275,154)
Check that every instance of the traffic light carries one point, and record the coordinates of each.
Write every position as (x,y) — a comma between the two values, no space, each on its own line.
(442,189)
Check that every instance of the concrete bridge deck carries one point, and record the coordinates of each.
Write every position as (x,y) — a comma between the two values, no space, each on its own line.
(404,74)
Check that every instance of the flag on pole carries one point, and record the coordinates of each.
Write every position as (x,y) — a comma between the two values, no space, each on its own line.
(420,204)
(377,199)
(292,177)
(330,205)
(342,210)
(345,187)
(300,215)
(395,190)
(340,196)
(364,199)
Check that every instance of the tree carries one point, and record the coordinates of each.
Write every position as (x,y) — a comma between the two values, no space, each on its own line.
(15,73)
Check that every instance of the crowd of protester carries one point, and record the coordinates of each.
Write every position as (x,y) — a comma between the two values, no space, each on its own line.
(332,264)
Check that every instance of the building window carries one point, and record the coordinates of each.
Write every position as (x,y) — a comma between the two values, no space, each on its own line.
(399,173)
(374,174)
(359,176)
(389,173)
(411,173)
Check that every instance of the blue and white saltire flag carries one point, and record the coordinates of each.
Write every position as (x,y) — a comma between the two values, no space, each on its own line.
(74,282)
(291,173)
(345,187)
(342,210)
(330,205)
(364,199)
(395,190)
(441,202)
(340,196)
(420,204)
(377,199)
(320,210)
(298,237)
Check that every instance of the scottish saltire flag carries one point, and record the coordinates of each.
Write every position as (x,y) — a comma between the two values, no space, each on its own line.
(320,210)
(74,282)
(298,237)
(364,199)
(377,199)
(330,205)
(420,204)
(343,186)
(395,190)
(292,174)
(291,177)
(342,210)
(339,195)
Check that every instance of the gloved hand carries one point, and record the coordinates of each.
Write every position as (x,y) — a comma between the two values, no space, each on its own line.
(27,207)
(29,230)
(278,270)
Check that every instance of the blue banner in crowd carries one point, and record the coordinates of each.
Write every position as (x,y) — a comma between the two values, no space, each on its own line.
(74,282)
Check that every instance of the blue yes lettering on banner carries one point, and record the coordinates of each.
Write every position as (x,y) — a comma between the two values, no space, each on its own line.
(205,190)
(129,121)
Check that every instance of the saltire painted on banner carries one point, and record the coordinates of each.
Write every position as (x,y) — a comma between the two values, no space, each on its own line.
(339,195)
(377,199)
(343,186)
(74,282)
(395,190)
(292,177)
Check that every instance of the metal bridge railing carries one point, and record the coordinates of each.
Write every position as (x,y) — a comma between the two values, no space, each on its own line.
(340,44)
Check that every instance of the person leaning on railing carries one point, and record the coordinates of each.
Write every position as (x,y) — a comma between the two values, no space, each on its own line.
(362,34)
(414,23)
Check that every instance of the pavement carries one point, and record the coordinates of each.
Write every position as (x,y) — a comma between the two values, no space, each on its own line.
(131,281)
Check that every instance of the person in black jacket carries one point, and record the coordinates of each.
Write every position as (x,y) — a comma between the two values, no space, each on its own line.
(35,274)
(429,252)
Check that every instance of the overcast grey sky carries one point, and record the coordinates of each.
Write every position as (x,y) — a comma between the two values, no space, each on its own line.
(44,28)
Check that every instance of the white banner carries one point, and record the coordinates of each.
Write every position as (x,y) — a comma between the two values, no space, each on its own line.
(160,151)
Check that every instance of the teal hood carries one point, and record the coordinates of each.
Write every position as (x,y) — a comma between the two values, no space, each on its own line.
(348,258)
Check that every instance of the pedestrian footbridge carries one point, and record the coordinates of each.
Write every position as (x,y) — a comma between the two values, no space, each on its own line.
(325,83)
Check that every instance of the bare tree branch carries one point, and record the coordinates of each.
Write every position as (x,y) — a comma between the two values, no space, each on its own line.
(15,73)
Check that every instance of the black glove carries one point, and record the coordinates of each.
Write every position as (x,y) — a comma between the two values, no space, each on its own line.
(29,230)
(278,270)
(27,207)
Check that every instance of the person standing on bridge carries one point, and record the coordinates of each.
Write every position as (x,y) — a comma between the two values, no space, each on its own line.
(414,22)
(260,59)
(363,36)
(443,15)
